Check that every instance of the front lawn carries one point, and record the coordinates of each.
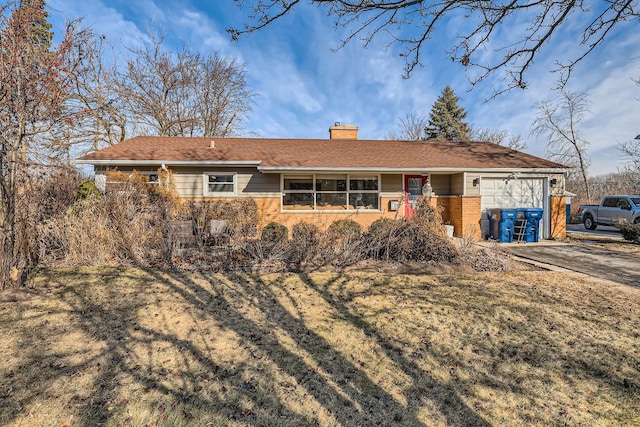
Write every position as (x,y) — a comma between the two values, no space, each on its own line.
(130,347)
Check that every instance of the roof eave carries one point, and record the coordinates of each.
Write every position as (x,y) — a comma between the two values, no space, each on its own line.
(168,162)
(276,169)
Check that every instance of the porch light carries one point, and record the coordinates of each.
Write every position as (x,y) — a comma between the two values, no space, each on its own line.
(553,182)
(476,182)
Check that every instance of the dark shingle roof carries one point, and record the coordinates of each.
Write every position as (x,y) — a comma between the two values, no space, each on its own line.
(320,153)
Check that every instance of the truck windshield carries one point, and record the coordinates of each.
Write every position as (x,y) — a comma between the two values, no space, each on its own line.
(636,200)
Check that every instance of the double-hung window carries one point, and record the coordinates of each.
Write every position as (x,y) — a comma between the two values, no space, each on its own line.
(219,184)
(332,192)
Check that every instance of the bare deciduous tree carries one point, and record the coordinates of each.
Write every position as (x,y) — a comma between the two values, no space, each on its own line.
(101,120)
(184,93)
(631,152)
(410,128)
(34,85)
(412,23)
(621,182)
(499,137)
(559,123)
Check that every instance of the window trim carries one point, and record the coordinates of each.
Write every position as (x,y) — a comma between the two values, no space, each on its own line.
(347,192)
(205,185)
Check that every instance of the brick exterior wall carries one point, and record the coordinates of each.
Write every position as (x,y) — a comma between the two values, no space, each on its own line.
(461,212)
(558,217)
(269,211)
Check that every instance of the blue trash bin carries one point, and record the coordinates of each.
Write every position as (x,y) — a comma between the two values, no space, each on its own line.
(501,224)
(530,223)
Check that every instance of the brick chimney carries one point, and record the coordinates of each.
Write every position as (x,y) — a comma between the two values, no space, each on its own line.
(338,131)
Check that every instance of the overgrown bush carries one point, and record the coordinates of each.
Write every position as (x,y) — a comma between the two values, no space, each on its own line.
(341,244)
(129,225)
(420,239)
(241,216)
(47,196)
(345,229)
(274,233)
(630,232)
(423,241)
(305,242)
(381,236)
(87,188)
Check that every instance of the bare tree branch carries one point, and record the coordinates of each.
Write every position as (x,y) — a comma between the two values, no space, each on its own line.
(558,122)
(412,23)
(184,93)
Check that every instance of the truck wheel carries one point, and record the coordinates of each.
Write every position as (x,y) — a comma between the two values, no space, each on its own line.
(588,223)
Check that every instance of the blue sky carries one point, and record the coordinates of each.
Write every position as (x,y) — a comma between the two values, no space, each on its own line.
(303,85)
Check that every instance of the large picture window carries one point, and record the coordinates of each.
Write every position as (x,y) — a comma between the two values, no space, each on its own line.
(219,184)
(330,192)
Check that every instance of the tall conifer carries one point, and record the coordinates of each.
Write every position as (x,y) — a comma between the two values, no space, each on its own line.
(446,119)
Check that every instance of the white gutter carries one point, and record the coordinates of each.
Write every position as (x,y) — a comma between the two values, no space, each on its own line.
(274,169)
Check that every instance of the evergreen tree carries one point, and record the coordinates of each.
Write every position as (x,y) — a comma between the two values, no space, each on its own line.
(40,33)
(446,118)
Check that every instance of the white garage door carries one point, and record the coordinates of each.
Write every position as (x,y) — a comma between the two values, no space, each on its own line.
(512,193)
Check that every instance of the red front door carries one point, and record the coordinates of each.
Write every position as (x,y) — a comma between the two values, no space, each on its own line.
(413,191)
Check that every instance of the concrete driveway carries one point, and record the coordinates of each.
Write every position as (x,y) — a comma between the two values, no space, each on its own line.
(597,262)
(602,231)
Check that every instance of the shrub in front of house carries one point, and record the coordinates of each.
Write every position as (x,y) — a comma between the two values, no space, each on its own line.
(87,189)
(423,241)
(274,233)
(630,232)
(419,239)
(381,236)
(341,244)
(345,228)
(241,215)
(305,242)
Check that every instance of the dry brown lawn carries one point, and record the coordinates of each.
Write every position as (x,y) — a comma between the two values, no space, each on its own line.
(129,347)
(608,244)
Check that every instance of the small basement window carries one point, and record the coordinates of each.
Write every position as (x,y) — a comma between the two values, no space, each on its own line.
(219,184)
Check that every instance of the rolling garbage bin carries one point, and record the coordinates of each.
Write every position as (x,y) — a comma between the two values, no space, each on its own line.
(501,224)
(527,224)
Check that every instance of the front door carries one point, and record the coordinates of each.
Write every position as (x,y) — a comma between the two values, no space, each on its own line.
(413,189)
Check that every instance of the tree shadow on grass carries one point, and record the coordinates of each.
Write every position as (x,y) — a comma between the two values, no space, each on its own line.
(352,380)
(181,385)
(523,347)
(130,354)
(340,387)
(425,387)
(280,355)
(118,364)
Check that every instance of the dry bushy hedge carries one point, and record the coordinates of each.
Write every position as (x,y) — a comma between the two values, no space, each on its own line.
(130,225)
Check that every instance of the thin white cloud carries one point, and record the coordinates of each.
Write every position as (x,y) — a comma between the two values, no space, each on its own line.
(202,33)
(102,19)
